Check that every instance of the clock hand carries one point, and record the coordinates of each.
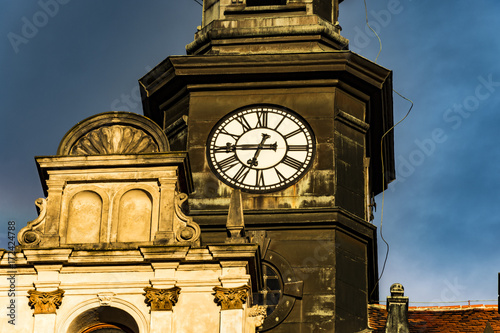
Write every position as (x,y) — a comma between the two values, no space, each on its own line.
(253,161)
(230,147)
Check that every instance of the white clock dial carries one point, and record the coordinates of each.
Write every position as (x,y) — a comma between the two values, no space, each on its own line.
(260,148)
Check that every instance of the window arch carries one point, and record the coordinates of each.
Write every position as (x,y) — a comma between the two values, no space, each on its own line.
(104,319)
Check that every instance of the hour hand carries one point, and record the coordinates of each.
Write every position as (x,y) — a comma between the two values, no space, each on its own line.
(230,147)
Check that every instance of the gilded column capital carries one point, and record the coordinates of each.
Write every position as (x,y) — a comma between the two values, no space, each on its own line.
(162,299)
(45,302)
(231,298)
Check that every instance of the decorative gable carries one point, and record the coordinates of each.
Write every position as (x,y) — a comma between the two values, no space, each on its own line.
(114,180)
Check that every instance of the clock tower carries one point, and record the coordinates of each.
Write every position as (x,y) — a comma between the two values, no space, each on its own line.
(269,101)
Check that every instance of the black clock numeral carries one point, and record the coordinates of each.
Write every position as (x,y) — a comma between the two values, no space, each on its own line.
(241,174)
(262,117)
(224,149)
(297,147)
(292,163)
(281,121)
(297,131)
(234,136)
(228,163)
(244,123)
(280,175)
(259,179)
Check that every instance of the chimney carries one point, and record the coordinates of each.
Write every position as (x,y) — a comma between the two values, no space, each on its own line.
(397,311)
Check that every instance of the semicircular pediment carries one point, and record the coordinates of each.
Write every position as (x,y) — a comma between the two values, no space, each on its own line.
(114,133)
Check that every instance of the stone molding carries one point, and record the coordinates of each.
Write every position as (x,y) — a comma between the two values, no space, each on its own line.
(162,299)
(231,298)
(29,235)
(45,302)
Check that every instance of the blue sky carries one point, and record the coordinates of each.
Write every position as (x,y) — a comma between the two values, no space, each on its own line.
(440,216)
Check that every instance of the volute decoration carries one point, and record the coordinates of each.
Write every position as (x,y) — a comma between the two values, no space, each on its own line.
(29,235)
(231,298)
(188,230)
(117,139)
(114,133)
(45,302)
(162,299)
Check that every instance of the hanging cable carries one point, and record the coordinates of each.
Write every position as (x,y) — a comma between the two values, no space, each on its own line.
(379,41)
(382,154)
(199,3)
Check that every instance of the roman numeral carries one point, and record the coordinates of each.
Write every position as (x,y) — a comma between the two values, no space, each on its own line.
(259,179)
(280,175)
(275,128)
(292,162)
(241,174)
(244,123)
(234,136)
(224,149)
(262,117)
(297,131)
(228,163)
(297,147)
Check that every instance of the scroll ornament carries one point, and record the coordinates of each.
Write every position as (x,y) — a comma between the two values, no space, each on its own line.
(188,230)
(30,235)
(231,298)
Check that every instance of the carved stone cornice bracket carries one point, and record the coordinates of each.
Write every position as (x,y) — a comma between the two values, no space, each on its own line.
(187,229)
(162,299)
(231,298)
(29,235)
(45,302)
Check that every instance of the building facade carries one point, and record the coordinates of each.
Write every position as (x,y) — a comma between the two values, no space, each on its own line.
(241,202)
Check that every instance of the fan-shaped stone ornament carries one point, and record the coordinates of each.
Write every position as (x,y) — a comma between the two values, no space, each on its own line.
(114,133)
(117,139)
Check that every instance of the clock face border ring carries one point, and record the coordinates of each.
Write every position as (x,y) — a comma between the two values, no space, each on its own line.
(273,122)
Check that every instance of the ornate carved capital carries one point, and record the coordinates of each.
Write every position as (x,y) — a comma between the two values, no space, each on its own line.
(162,299)
(45,302)
(231,298)
(258,313)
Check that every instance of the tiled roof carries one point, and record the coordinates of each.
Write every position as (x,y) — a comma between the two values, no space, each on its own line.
(449,319)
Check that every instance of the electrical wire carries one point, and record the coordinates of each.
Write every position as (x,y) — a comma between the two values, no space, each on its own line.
(199,3)
(379,41)
(382,154)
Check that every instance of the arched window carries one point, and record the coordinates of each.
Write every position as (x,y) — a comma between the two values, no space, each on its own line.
(106,328)
(104,319)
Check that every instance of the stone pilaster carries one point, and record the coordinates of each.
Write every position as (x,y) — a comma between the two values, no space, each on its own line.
(161,302)
(45,305)
(231,301)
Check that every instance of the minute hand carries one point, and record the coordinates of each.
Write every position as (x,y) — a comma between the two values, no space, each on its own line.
(272,146)
(253,161)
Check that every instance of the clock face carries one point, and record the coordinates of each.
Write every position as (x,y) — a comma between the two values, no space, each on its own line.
(260,148)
